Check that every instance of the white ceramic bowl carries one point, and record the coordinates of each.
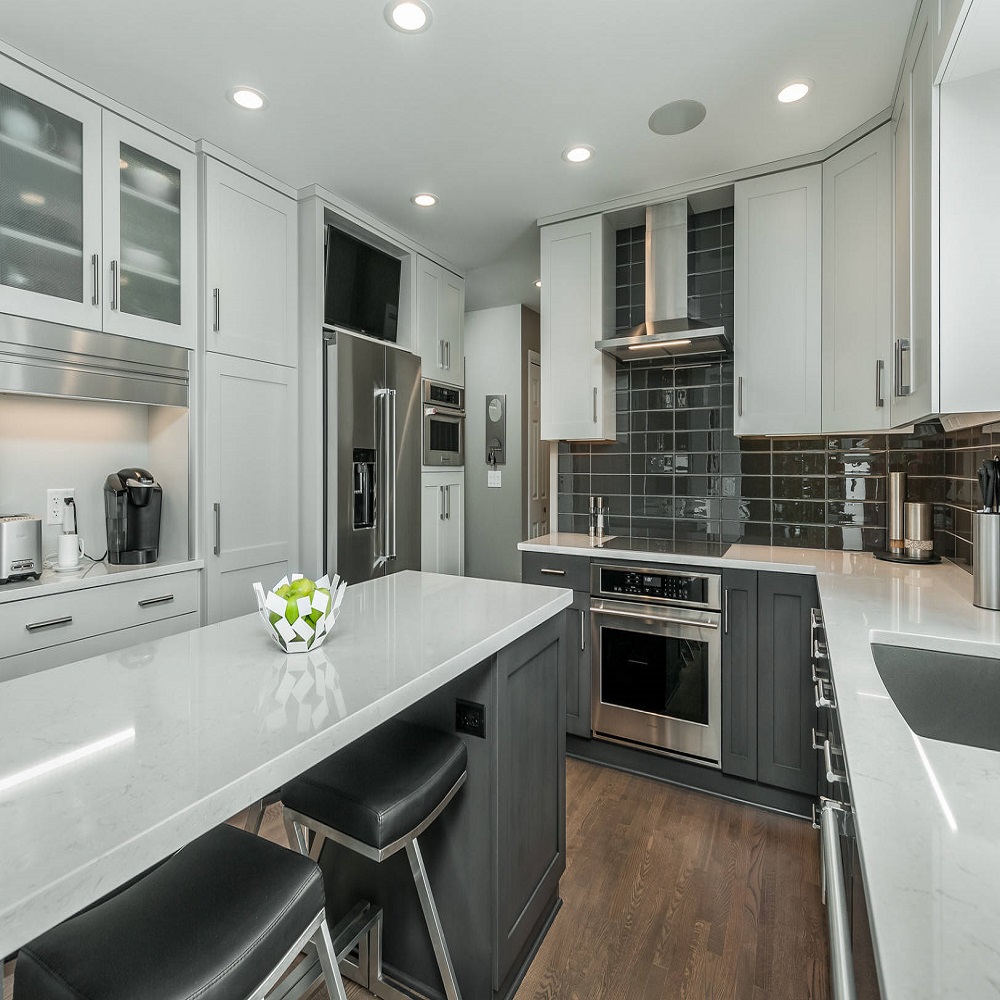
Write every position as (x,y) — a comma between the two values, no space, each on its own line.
(151,182)
(19,124)
(144,260)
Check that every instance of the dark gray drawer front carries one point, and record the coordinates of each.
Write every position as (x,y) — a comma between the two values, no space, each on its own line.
(553,570)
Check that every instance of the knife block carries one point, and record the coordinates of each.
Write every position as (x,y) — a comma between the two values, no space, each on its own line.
(986,560)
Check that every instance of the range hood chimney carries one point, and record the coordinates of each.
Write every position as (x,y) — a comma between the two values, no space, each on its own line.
(668,330)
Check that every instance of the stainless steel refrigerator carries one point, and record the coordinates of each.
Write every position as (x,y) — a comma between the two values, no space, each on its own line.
(372,448)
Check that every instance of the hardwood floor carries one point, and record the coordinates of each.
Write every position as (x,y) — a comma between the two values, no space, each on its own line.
(670,893)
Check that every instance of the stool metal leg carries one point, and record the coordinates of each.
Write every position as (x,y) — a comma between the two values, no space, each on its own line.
(255,816)
(298,836)
(434,927)
(328,962)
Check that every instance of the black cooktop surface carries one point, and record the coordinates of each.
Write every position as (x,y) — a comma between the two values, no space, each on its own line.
(666,547)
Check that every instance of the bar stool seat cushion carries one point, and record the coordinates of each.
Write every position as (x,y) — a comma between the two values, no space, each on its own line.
(382,786)
(209,924)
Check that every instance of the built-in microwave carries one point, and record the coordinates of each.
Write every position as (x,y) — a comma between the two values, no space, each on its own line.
(443,424)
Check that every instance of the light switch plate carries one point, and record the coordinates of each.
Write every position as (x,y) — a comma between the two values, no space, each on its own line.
(493,479)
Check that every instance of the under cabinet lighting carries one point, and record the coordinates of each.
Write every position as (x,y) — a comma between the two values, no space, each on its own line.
(794,92)
(578,154)
(409,16)
(69,757)
(247,98)
(425,200)
(661,343)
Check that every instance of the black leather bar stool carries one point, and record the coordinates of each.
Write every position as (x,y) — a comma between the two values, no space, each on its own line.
(222,919)
(376,796)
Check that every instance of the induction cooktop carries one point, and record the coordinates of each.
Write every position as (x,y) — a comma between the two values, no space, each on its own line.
(667,547)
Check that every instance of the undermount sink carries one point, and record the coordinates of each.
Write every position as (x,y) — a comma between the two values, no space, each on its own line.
(944,696)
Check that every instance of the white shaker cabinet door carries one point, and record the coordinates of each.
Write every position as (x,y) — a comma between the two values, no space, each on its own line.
(578,380)
(251,268)
(778,319)
(251,503)
(440,320)
(857,285)
(442,513)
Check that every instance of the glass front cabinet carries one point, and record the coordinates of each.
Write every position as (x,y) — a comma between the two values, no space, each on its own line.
(97,216)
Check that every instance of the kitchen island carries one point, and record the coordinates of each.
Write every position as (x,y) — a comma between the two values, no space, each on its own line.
(110,764)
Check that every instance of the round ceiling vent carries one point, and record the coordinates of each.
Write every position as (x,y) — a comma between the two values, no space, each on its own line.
(677,117)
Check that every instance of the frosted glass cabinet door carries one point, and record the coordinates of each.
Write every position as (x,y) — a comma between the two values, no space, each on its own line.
(50,200)
(150,240)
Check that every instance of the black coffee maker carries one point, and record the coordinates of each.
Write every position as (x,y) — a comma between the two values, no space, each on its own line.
(132,501)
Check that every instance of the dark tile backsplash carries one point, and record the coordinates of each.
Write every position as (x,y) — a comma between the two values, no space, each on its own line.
(676,471)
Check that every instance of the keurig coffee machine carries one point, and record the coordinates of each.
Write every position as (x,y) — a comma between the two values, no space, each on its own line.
(132,502)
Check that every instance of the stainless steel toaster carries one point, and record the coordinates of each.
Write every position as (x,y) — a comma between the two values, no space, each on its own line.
(20,547)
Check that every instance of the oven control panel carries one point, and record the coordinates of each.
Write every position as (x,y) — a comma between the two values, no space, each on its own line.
(660,586)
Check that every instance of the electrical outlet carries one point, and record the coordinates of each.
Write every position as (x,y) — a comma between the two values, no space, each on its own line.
(470,717)
(56,504)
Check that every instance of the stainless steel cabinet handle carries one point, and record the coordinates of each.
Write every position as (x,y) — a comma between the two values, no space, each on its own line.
(114,284)
(545,571)
(583,631)
(659,619)
(95,276)
(841,958)
(447,354)
(51,623)
(441,354)
(595,404)
(823,699)
(904,370)
(216,313)
(441,503)
(818,739)
(150,601)
(820,650)
(879,368)
(816,619)
(739,396)
(217,510)
(832,775)
(447,498)
(725,613)
(820,673)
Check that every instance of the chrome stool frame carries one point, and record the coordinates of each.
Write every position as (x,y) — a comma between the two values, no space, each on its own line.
(368,970)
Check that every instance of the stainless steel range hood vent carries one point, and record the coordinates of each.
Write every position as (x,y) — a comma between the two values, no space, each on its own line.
(46,359)
(668,330)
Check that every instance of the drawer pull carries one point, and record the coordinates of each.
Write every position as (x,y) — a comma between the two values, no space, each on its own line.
(552,572)
(820,650)
(824,694)
(150,601)
(51,623)
(816,618)
(832,774)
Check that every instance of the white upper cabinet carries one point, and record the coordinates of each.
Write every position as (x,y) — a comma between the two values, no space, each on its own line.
(251,271)
(50,200)
(913,326)
(578,380)
(778,319)
(150,236)
(857,285)
(440,318)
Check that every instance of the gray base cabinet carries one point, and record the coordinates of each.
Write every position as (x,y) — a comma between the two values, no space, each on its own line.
(739,673)
(786,700)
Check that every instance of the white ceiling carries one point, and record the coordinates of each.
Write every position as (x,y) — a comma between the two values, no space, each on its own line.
(479,108)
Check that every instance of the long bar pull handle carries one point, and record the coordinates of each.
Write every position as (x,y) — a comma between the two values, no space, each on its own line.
(216,311)
(725,613)
(595,404)
(441,354)
(51,623)
(95,277)
(447,497)
(114,285)
(660,619)
(391,452)
(217,511)
(441,503)
(879,398)
(151,601)
(739,396)
(545,571)
(841,959)
(832,774)
(824,700)
(583,631)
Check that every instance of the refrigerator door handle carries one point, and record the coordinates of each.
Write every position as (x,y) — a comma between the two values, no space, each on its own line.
(382,508)
(390,460)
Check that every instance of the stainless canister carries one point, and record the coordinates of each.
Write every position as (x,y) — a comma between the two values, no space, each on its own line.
(918,541)
(897,500)
(986,560)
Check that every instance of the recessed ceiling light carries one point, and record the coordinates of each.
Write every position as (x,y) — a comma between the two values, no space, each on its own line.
(538,282)
(578,154)
(248,98)
(410,16)
(424,200)
(677,117)
(794,91)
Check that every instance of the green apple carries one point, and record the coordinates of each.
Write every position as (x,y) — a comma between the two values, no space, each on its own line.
(282,591)
(301,588)
(292,610)
(273,617)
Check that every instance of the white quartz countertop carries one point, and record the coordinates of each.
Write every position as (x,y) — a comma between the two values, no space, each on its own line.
(109,764)
(927,813)
(90,574)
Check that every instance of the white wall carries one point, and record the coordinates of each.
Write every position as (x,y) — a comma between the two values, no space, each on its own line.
(56,443)
(509,278)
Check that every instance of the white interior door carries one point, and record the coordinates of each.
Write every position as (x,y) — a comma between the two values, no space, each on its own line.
(538,453)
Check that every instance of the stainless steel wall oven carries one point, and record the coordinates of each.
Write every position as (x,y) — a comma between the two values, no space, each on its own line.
(444,424)
(657,660)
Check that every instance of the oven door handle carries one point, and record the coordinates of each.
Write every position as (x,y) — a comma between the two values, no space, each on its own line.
(653,617)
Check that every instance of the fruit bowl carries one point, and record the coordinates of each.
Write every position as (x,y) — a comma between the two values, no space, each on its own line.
(298,613)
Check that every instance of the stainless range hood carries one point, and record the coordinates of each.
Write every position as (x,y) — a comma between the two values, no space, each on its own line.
(668,330)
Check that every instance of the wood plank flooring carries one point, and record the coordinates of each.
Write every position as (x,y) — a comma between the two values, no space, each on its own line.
(670,893)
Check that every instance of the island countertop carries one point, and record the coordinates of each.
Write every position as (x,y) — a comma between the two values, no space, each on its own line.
(109,764)
(926,812)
